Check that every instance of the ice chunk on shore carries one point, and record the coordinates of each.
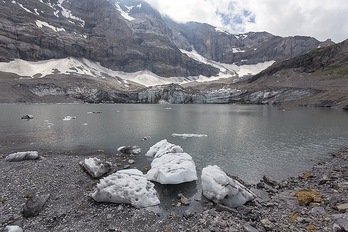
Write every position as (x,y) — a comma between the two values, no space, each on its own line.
(130,150)
(95,167)
(220,188)
(184,136)
(170,165)
(19,156)
(127,186)
(172,168)
(13,228)
(163,147)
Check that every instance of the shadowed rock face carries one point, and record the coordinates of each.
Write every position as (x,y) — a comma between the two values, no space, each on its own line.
(96,30)
(93,30)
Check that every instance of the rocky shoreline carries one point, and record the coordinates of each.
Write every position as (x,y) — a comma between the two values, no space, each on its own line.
(70,207)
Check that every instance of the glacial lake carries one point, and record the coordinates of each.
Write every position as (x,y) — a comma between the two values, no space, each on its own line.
(245,140)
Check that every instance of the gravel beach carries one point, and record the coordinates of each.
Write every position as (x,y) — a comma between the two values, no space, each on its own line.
(280,206)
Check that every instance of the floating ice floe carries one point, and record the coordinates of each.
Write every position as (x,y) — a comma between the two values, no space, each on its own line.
(19,156)
(127,186)
(184,136)
(220,188)
(95,167)
(170,165)
(68,118)
(135,150)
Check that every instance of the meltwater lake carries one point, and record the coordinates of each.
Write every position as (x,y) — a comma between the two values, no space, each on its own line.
(245,140)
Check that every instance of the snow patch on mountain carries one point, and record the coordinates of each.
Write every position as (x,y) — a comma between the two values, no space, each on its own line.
(229,70)
(123,13)
(86,67)
(67,13)
(41,24)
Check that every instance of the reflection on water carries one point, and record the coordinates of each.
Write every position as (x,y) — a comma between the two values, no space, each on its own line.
(246,141)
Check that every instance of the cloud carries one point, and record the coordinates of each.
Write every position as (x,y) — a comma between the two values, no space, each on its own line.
(319,19)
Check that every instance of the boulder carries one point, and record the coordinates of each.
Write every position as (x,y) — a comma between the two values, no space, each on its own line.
(20,156)
(127,186)
(220,188)
(170,165)
(95,167)
(34,205)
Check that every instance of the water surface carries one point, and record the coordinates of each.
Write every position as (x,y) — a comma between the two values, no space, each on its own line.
(245,140)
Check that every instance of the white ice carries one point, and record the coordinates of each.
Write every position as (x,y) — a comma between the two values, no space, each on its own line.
(163,147)
(172,168)
(189,135)
(95,167)
(220,188)
(127,186)
(68,118)
(170,165)
(13,229)
(19,156)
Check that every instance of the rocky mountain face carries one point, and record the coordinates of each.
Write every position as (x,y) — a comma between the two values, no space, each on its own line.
(324,70)
(129,36)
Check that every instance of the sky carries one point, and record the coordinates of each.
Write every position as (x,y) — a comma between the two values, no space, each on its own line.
(320,19)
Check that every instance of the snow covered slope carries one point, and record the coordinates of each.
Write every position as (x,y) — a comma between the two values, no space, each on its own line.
(73,66)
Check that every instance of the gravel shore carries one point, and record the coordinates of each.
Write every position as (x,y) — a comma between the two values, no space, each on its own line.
(70,207)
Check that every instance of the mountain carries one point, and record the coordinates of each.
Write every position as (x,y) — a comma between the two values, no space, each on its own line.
(119,51)
(324,70)
(130,36)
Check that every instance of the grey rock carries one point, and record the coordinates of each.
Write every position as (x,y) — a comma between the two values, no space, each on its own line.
(34,205)
(27,116)
(270,181)
(267,224)
(343,222)
(248,228)
(342,207)
(318,211)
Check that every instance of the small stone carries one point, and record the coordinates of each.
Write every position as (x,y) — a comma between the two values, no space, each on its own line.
(311,227)
(267,224)
(293,217)
(307,175)
(260,185)
(324,179)
(126,166)
(120,208)
(270,181)
(342,207)
(248,228)
(131,161)
(184,200)
(318,211)
(188,213)
(109,216)
(343,222)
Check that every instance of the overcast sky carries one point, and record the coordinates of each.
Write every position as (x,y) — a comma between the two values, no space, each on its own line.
(317,18)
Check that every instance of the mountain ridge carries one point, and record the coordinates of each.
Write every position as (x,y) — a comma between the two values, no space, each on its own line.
(129,38)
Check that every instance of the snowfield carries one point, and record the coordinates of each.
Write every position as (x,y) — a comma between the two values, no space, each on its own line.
(70,65)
